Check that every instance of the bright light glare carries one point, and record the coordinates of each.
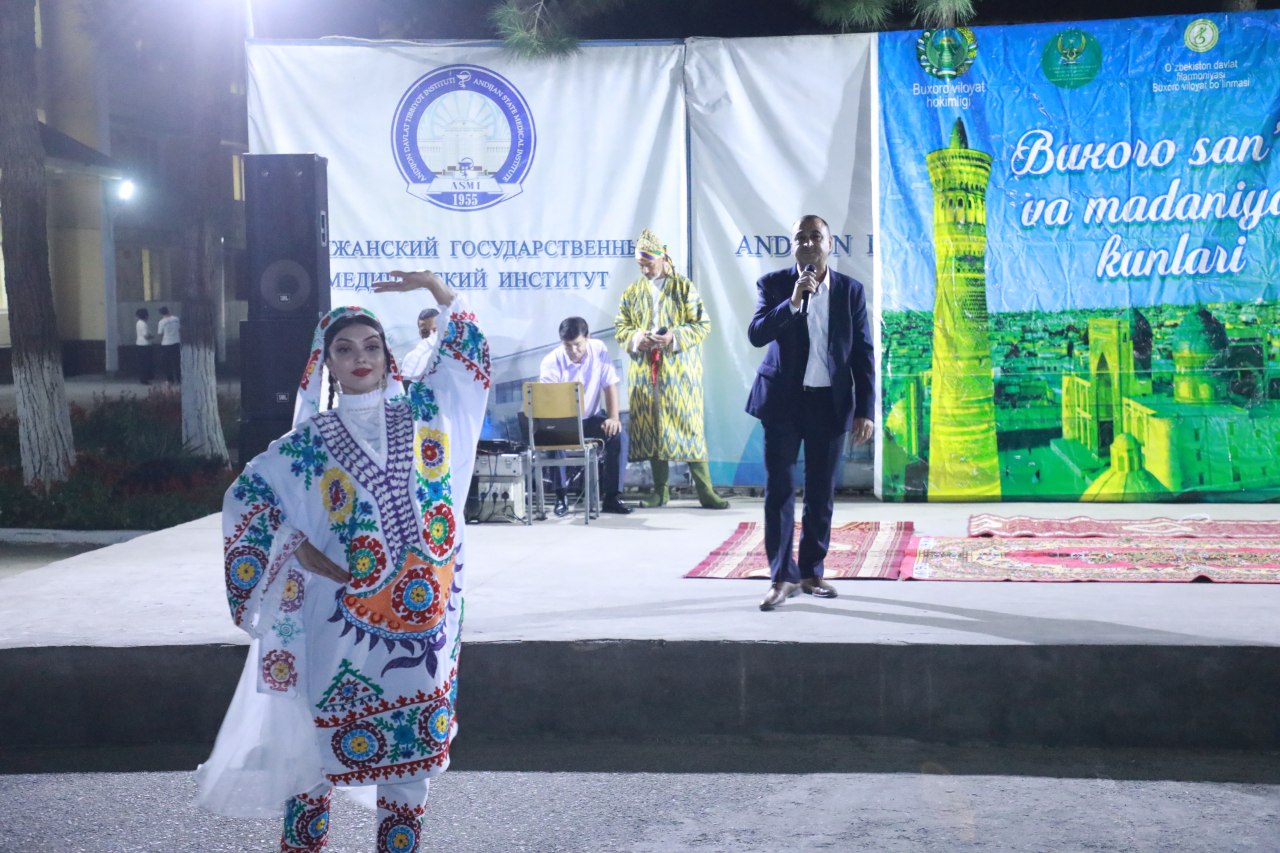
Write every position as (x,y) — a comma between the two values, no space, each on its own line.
(126,190)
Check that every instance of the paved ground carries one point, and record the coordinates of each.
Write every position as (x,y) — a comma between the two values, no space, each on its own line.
(1101,804)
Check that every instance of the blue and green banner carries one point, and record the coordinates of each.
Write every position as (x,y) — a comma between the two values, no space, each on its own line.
(1078,261)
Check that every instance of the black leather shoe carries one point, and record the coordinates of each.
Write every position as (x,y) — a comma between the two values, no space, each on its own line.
(614,504)
(562,505)
(818,588)
(778,593)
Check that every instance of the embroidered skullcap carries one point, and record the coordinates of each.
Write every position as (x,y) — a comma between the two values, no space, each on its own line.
(307,403)
(650,246)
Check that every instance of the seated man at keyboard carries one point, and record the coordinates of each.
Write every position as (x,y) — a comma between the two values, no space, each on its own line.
(584,359)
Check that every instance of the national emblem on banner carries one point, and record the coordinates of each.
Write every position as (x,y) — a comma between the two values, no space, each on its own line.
(463,138)
(947,53)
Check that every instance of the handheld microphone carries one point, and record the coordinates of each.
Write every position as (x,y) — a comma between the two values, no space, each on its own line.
(804,300)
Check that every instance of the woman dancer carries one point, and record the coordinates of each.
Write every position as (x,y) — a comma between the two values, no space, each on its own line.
(345,562)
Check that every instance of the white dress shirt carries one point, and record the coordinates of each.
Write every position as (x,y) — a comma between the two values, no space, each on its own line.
(817,371)
(169,330)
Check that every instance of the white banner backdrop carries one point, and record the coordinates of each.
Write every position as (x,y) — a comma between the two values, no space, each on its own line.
(524,182)
(779,127)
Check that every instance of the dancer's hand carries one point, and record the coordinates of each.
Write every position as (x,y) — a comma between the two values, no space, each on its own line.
(314,560)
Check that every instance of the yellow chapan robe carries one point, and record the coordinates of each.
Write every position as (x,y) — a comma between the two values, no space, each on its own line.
(666,419)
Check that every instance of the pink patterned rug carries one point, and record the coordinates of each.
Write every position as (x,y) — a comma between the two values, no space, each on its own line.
(986,524)
(859,549)
(1121,558)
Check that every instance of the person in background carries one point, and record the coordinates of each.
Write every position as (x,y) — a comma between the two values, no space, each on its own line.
(143,338)
(418,361)
(170,346)
(582,358)
(662,323)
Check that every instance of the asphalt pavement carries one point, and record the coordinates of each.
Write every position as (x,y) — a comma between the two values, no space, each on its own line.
(488,812)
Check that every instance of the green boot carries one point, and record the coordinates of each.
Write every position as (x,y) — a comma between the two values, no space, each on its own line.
(701,473)
(661,494)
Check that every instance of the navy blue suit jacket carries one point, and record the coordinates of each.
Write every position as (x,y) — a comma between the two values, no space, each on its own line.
(775,393)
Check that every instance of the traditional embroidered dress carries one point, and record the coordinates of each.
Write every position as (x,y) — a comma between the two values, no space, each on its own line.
(351,684)
(666,405)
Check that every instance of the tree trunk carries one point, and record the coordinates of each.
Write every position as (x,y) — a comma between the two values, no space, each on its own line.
(44,422)
(201,425)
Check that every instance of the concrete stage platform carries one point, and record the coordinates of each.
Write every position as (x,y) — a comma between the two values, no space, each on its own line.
(590,634)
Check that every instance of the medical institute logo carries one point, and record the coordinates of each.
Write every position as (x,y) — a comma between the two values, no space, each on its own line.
(463,138)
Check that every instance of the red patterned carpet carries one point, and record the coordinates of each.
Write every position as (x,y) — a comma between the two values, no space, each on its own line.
(986,524)
(859,549)
(1120,558)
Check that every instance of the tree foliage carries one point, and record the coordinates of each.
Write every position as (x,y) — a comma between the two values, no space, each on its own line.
(861,15)
(551,27)
(545,27)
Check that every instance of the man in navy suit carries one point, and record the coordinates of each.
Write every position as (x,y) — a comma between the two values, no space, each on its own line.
(815,384)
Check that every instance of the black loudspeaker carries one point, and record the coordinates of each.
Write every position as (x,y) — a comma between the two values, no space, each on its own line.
(257,433)
(287,235)
(273,354)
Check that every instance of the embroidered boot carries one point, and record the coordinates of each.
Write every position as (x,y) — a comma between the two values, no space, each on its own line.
(661,494)
(400,824)
(701,473)
(306,821)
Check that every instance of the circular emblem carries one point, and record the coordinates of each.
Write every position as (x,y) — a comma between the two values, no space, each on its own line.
(436,724)
(1071,59)
(948,53)
(359,744)
(245,565)
(417,598)
(1200,35)
(311,824)
(463,138)
(278,671)
(398,833)
(366,560)
(294,589)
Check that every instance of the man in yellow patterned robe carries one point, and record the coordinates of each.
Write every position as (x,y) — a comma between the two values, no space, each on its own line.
(661,324)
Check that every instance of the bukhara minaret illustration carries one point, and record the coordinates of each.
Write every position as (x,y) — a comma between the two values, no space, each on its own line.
(963,464)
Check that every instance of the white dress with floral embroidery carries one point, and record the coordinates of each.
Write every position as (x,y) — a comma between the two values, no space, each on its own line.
(354,683)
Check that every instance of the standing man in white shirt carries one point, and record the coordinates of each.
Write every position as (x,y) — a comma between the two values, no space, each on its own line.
(142,340)
(170,346)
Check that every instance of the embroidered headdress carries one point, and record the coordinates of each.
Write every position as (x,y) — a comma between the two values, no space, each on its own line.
(314,375)
(650,246)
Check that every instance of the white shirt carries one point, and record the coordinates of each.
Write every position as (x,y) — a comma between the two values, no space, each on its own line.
(141,327)
(415,364)
(817,370)
(596,373)
(169,331)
